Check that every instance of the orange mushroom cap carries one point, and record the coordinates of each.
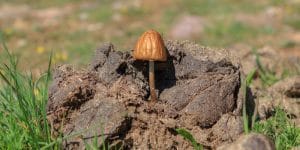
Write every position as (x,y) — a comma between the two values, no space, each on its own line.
(150,46)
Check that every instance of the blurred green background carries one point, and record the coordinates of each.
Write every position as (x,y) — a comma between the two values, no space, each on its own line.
(72,29)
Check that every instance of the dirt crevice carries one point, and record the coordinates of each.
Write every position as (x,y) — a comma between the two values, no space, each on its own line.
(198,90)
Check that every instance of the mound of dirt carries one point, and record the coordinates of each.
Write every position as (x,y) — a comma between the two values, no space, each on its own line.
(284,94)
(198,90)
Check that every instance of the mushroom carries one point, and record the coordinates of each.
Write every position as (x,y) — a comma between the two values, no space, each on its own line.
(150,47)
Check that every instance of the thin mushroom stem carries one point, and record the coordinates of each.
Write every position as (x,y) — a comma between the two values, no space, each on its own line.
(152,81)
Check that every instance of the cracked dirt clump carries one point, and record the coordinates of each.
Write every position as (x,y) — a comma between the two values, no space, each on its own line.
(198,90)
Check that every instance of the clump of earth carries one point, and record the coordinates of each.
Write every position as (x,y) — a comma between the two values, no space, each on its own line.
(198,88)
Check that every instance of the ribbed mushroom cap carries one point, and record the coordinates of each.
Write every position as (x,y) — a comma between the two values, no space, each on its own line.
(150,46)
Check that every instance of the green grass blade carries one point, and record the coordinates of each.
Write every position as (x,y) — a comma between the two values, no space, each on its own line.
(188,136)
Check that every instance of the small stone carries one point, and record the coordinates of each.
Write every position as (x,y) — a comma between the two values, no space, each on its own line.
(251,141)
(294,88)
(187,27)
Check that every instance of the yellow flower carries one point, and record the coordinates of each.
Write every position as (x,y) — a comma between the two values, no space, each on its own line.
(8,31)
(36,92)
(61,56)
(64,56)
(124,10)
(40,49)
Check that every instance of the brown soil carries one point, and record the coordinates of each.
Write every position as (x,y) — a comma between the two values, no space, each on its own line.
(198,90)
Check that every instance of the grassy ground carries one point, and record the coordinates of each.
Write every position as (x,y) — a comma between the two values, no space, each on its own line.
(73,29)
(23,122)
(280,130)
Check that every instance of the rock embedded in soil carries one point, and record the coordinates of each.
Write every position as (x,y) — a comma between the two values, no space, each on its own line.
(251,141)
(198,89)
